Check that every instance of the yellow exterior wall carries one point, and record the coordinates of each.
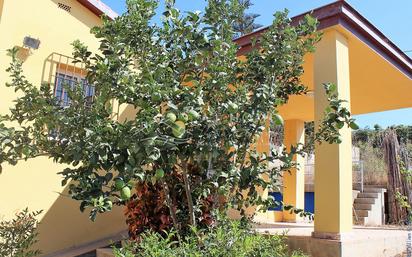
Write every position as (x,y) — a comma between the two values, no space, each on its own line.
(35,184)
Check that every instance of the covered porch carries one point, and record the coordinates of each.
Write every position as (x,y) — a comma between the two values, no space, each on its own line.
(364,241)
(371,74)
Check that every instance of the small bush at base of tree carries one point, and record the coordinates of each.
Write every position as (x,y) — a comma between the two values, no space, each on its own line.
(227,239)
(18,235)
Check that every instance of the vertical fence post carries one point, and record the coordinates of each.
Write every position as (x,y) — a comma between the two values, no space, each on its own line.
(361,170)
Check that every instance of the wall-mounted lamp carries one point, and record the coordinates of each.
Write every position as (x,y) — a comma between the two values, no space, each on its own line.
(31,43)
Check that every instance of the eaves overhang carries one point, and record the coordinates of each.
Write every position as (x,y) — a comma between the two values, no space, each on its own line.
(343,14)
(99,8)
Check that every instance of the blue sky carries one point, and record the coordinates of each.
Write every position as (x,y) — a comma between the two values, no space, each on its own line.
(393,18)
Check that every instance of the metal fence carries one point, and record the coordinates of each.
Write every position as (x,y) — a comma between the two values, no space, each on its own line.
(357,174)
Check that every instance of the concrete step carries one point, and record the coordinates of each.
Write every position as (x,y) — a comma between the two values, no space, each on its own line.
(362,213)
(104,252)
(86,248)
(368,195)
(374,186)
(360,220)
(362,206)
(365,200)
(372,190)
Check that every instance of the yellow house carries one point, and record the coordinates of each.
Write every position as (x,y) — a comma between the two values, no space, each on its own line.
(371,73)
(44,31)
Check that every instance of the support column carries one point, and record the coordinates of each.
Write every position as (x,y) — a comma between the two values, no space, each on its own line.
(333,162)
(294,181)
(263,146)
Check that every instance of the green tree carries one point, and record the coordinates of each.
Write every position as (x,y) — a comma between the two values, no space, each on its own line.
(198,112)
(245,23)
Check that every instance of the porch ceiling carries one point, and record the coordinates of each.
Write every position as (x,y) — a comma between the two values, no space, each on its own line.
(380,73)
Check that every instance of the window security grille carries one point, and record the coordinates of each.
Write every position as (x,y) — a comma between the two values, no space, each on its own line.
(64,81)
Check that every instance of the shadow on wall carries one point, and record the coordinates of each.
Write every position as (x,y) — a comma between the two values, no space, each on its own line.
(63,226)
(35,184)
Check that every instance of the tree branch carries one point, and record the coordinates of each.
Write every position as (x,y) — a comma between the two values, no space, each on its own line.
(188,194)
(170,205)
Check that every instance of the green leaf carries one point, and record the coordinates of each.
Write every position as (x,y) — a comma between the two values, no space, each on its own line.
(278,120)
(353,125)
(160,173)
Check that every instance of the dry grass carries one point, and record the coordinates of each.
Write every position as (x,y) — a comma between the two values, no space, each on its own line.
(374,167)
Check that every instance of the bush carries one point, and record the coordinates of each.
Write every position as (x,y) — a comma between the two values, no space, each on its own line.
(228,239)
(17,236)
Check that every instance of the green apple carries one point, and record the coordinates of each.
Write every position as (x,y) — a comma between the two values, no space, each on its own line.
(193,115)
(180,124)
(156,97)
(171,117)
(160,173)
(125,193)
(183,117)
(119,183)
(179,129)
(278,119)
(109,205)
(232,108)
(178,132)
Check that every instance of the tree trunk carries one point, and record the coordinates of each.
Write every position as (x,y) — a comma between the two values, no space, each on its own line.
(188,190)
(390,144)
(171,206)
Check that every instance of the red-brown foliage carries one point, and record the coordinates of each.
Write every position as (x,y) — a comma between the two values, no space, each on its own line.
(147,210)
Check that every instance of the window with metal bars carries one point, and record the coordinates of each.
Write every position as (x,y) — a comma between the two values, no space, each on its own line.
(64,81)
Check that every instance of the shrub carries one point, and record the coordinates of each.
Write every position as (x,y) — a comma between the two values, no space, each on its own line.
(228,239)
(17,236)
